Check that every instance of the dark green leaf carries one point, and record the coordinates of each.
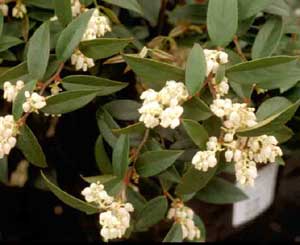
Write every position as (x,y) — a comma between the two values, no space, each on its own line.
(128,4)
(195,70)
(126,110)
(14,73)
(120,158)
(137,200)
(151,10)
(220,191)
(68,101)
(63,11)
(68,199)
(72,35)
(222,21)
(248,8)
(278,7)
(49,4)
(102,159)
(152,213)
(39,52)
(101,178)
(174,234)
(103,47)
(29,145)
(154,162)
(7,42)
(196,109)
(4,170)
(1,23)
(192,13)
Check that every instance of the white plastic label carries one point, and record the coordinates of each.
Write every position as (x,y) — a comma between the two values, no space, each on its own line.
(260,197)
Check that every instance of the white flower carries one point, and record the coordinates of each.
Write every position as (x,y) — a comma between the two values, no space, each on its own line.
(34,102)
(184,216)
(8,133)
(222,88)
(4,9)
(150,113)
(212,144)
(54,88)
(11,91)
(76,7)
(213,59)
(245,171)
(170,117)
(80,61)
(19,10)
(54,18)
(203,160)
(149,95)
(228,155)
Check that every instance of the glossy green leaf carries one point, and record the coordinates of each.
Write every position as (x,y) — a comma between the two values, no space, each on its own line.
(29,145)
(126,110)
(154,162)
(268,38)
(68,101)
(71,36)
(154,73)
(17,109)
(220,191)
(153,212)
(196,109)
(63,11)
(196,132)
(103,47)
(102,86)
(222,21)
(128,4)
(102,159)
(174,234)
(120,158)
(195,70)
(69,199)
(39,52)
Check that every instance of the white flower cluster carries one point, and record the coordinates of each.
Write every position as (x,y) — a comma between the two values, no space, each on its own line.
(243,151)
(213,60)
(19,11)
(8,133)
(97,27)
(80,61)
(4,9)
(11,91)
(163,107)
(184,216)
(207,159)
(34,102)
(115,218)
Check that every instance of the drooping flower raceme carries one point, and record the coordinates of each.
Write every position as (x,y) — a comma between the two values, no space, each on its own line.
(8,133)
(80,61)
(115,218)
(183,215)
(19,10)
(11,91)
(245,152)
(163,107)
(34,102)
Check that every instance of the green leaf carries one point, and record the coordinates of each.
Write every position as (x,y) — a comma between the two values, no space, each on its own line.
(29,145)
(63,11)
(195,70)
(68,101)
(101,178)
(268,38)
(174,234)
(39,52)
(196,132)
(102,159)
(282,134)
(106,123)
(49,4)
(102,86)
(4,170)
(220,191)
(14,73)
(120,158)
(268,73)
(191,13)
(194,180)
(71,36)
(68,199)
(248,8)
(196,109)
(200,224)
(280,161)
(17,109)
(137,200)
(222,21)
(154,73)
(136,128)
(103,47)
(1,23)
(7,42)
(271,106)
(126,110)
(153,212)
(271,123)
(128,4)
(151,10)
(154,162)
(114,186)
(278,7)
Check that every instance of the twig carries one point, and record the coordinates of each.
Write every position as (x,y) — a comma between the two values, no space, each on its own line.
(51,79)
(162,15)
(238,48)
(141,145)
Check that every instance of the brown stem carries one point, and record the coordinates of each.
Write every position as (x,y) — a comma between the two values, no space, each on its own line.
(239,49)
(210,85)
(51,79)
(141,145)
(161,16)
